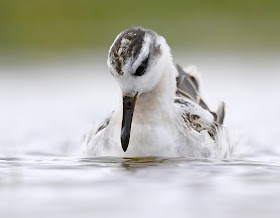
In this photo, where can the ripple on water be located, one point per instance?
(48, 185)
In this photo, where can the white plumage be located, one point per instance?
(167, 120)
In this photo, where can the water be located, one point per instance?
(48, 186)
(45, 107)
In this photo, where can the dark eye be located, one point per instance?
(142, 68)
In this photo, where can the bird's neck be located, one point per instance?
(160, 100)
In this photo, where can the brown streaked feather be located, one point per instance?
(185, 86)
(202, 103)
(192, 119)
(194, 80)
(188, 87)
(130, 47)
(214, 115)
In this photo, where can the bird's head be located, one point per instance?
(137, 60)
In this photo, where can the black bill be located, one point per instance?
(128, 108)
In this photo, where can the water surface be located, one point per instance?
(49, 186)
(45, 107)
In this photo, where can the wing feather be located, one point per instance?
(188, 94)
(104, 124)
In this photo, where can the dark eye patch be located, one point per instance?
(142, 68)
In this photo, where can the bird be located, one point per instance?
(161, 111)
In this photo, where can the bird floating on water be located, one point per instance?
(162, 112)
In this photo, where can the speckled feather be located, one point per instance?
(164, 123)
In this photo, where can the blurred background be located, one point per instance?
(57, 26)
(54, 80)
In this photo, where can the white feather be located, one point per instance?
(158, 128)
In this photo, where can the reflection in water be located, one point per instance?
(50, 186)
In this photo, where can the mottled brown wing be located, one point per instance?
(188, 87)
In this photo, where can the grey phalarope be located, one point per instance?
(161, 113)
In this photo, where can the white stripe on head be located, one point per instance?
(145, 50)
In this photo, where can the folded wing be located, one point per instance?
(193, 108)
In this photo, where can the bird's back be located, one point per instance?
(193, 108)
